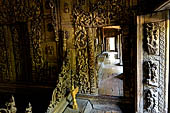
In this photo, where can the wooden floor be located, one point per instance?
(110, 73)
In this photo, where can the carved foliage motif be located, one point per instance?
(152, 38)
(101, 13)
(82, 60)
(20, 11)
(154, 68)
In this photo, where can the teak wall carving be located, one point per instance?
(22, 25)
(85, 22)
(154, 67)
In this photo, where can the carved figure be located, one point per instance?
(73, 93)
(152, 35)
(10, 106)
(151, 74)
(29, 108)
(150, 101)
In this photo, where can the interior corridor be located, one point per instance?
(110, 75)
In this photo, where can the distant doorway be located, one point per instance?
(111, 69)
(112, 44)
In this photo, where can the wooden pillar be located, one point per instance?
(121, 59)
(91, 60)
(118, 46)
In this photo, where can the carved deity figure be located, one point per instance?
(149, 101)
(152, 37)
(151, 73)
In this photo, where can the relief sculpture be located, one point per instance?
(153, 66)
(151, 73)
(150, 105)
(152, 38)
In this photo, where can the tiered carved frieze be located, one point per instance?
(154, 67)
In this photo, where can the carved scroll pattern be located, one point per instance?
(82, 76)
(154, 68)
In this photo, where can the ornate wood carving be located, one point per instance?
(64, 83)
(154, 67)
(151, 101)
(151, 73)
(100, 14)
(29, 108)
(9, 106)
(152, 40)
(30, 14)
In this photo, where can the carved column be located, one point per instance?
(92, 70)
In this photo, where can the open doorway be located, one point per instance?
(111, 69)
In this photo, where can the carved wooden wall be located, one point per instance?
(59, 41)
(154, 62)
(80, 70)
(28, 41)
